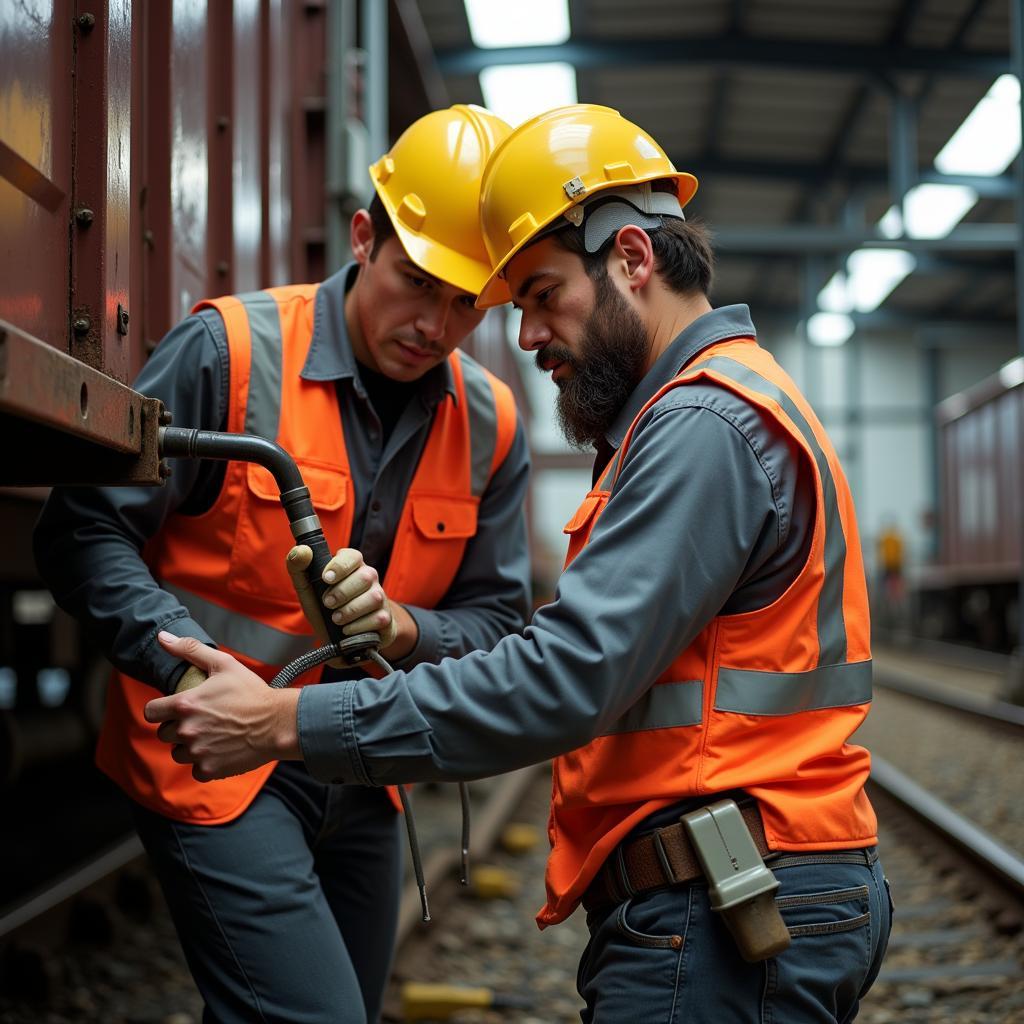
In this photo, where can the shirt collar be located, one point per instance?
(330, 355)
(719, 325)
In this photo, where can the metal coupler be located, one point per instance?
(740, 885)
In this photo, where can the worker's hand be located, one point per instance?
(356, 600)
(231, 724)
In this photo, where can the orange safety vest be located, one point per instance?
(226, 566)
(763, 701)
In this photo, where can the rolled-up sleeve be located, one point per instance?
(692, 514)
(88, 541)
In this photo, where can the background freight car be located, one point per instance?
(971, 593)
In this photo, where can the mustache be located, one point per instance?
(419, 342)
(554, 353)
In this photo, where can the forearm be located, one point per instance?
(97, 575)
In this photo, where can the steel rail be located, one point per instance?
(998, 860)
(988, 708)
(71, 884)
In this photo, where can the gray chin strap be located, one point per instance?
(606, 212)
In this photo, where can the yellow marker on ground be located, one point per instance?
(492, 883)
(519, 838)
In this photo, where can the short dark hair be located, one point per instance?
(682, 251)
(383, 229)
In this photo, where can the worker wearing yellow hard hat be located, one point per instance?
(285, 889)
(706, 659)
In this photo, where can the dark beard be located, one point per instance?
(613, 354)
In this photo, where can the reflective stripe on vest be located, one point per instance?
(749, 692)
(240, 632)
(831, 626)
(483, 424)
(665, 706)
(263, 408)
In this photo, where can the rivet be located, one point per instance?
(440, 527)
(676, 942)
(82, 325)
(163, 469)
(165, 418)
(223, 267)
(84, 216)
(86, 22)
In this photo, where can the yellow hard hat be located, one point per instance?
(556, 161)
(429, 184)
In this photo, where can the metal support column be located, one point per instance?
(373, 17)
(902, 148)
(341, 40)
(810, 286)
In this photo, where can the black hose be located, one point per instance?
(188, 443)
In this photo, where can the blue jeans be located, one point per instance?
(665, 957)
(287, 913)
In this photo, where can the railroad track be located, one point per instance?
(956, 950)
(989, 709)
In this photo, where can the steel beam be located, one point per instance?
(710, 166)
(64, 422)
(805, 238)
(733, 50)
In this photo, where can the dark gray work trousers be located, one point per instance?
(288, 912)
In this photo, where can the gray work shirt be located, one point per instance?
(712, 513)
(88, 541)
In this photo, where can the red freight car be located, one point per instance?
(971, 594)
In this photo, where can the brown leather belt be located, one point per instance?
(658, 859)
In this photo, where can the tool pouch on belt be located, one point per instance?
(740, 886)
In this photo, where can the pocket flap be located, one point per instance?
(326, 486)
(586, 511)
(443, 518)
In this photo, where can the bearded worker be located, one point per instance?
(706, 657)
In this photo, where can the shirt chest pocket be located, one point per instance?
(581, 525)
(429, 548)
(263, 536)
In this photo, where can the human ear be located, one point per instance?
(635, 254)
(361, 236)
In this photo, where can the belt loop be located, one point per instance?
(659, 849)
(623, 876)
